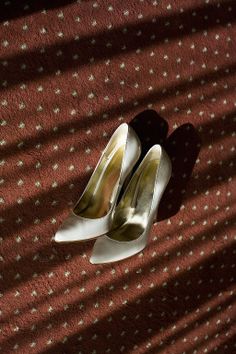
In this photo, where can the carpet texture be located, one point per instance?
(70, 73)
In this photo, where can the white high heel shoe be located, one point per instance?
(92, 214)
(136, 211)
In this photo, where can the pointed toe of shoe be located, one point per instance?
(94, 260)
(71, 230)
(76, 228)
(59, 237)
(102, 251)
(106, 250)
(67, 231)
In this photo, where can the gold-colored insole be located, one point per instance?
(131, 215)
(102, 187)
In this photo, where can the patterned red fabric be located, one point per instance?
(70, 73)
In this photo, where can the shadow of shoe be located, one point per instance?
(151, 129)
(183, 147)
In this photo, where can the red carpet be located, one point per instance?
(70, 73)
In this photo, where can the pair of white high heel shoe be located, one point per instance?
(121, 228)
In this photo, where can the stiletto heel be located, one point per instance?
(91, 217)
(136, 211)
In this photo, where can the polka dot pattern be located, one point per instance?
(70, 73)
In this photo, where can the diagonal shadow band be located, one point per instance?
(95, 143)
(216, 175)
(118, 39)
(215, 335)
(146, 269)
(190, 107)
(219, 332)
(157, 306)
(227, 344)
(45, 209)
(215, 126)
(196, 322)
(15, 9)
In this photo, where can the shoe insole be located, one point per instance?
(102, 187)
(131, 216)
